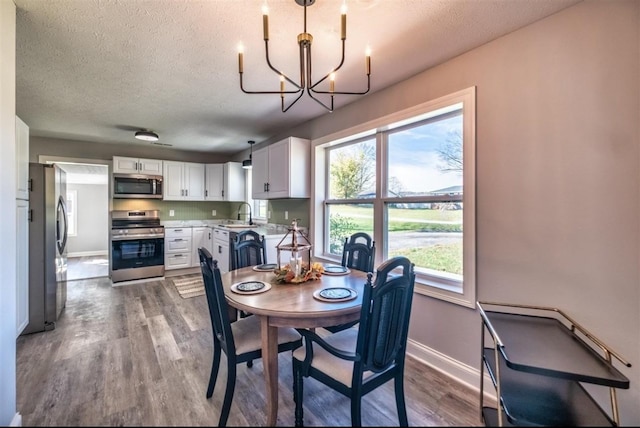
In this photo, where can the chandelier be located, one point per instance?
(305, 83)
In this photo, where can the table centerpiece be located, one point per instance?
(298, 251)
(306, 273)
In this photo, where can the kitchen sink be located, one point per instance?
(239, 226)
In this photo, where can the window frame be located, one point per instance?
(255, 203)
(438, 286)
(72, 212)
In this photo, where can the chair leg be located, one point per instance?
(228, 394)
(356, 400)
(297, 391)
(400, 403)
(214, 369)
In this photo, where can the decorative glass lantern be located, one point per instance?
(295, 253)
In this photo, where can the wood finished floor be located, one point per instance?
(141, 355)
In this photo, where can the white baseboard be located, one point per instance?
(456, 370)
(17, 420)
(88, 253)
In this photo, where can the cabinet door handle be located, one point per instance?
(137, 169)
(206, 193)
(31, 184)
(141, 166)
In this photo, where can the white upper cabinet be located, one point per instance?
(282, 170)
(124, 165)
(234, 181)
(214, 182)
(22, 159)
(183, 181)
(225, 182)
(260, 173)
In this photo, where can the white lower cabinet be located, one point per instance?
(221, 249)
(201, 237)
(177, 248)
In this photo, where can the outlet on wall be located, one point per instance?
(286, 215)
(213, 213)
(172, 213)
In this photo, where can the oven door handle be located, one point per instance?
(135, 237)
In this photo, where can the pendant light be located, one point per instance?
(246, 164)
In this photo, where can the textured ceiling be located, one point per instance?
(97, 70)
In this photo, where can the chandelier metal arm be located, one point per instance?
(299, 88)
(312, 86)
(292, 103)
(309, 90)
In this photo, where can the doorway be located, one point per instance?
(88, 218)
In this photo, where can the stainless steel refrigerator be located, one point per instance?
(47, 246)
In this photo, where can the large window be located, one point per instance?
(409, 183)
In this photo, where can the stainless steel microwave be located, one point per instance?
(137, 186)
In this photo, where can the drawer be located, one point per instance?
(177, 261)
(172, 245)
(177, 232)
(221, 234)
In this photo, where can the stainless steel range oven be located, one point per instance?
(137, 245)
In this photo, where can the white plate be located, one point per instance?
(250, 287)
(267, 267)
(337, 291)
(337, 270)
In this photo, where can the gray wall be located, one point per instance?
(558, 161)
(92, 220)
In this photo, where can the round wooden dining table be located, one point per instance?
(290, 305)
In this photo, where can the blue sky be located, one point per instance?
(414, 157)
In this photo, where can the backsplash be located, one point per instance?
(200, 210)
(183, 210)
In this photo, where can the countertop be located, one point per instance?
(266, 229)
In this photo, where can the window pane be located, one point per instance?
(261, 208)
(345, 220)
(426, 159)
(352, 171)
(428, 234)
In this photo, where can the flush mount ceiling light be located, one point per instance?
(246, 164)
(306, 83)
(146, 136)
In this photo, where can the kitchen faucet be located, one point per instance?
(240, 207)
